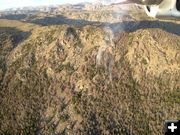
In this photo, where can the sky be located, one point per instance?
(4, 4)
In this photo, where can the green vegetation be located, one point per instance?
(59, 68)
(91, 71)
(173, 97)
(64, 118)
(144, 61)
(76, 98)
(68, 67)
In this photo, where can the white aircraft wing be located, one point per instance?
(167, 8)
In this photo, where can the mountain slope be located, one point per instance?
(62, 79)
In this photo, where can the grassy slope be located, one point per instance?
(17, 24)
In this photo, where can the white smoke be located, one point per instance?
(105, 55)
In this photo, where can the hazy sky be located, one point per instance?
(4, 4)
(21, 3)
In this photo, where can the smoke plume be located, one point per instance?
(105, 55)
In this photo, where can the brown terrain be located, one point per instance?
(81, 74)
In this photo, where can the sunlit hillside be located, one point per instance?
(88, 72)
